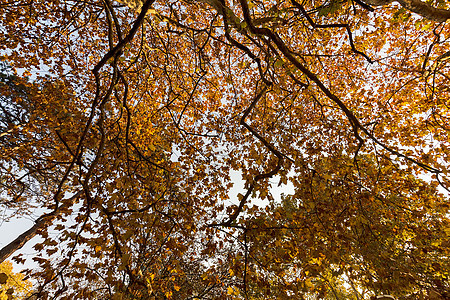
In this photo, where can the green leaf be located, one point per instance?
(279, 63)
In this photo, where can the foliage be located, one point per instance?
(121, 123)
(12, 285)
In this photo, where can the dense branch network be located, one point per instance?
(176, 95)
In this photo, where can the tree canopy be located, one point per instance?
(122, 122)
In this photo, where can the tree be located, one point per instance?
(12, 285)
(128, 119)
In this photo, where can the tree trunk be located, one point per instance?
(43, 222)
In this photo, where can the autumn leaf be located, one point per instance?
(146, 140)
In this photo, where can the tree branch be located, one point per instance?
(421, 8)
(41, 223)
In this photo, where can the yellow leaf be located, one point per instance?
(230, 291)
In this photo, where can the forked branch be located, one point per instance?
(269, 146)
(346, 26)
